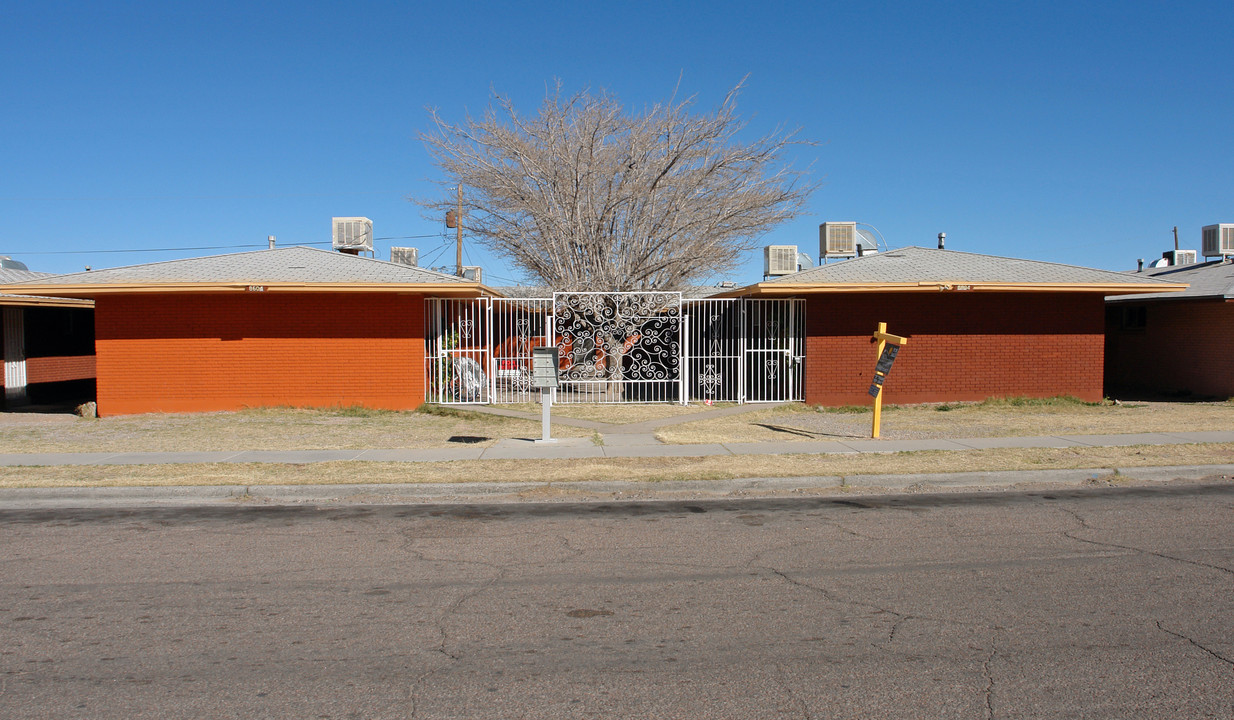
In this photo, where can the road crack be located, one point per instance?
(442, 647)
(782, 678)
(565, 543)
(1085, 526)
(891, 635)
(849, 531)
(1208, 650)
(989, 680)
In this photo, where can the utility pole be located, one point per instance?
(454, 219)
(458, 220)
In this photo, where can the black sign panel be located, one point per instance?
(874, 390)
(888, 357)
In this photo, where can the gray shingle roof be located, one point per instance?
(1207, 280)
(917, 264)
(12, 275)
(523, 291)
(281, 265)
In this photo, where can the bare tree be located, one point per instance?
(584, 196)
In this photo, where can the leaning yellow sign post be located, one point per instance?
(886, 356)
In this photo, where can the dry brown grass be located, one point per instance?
(349, 428)
(261, 429)
(989, 419)
(631, 469)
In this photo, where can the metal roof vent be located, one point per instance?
(352, 234)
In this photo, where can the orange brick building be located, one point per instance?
(287, 327)
(305, 327)
(979, 326)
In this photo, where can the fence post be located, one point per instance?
(488, 346)
(683, 335)
(741, 351)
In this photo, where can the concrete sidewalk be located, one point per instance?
(617, 445)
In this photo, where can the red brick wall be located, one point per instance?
(1184, 348)
(963, 346)
(192, 353)
(59, 369)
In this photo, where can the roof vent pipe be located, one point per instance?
(942, 240)
(271, 239)
(1139, 265)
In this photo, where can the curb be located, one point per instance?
(584, 491)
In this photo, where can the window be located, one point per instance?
(1134, 318)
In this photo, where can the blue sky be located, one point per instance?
(1071, 132)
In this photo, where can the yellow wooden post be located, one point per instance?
(878, 399)
(883, 337)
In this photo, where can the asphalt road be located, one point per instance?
(1085, 603)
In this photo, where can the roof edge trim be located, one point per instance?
(231, 287)
(781, 288)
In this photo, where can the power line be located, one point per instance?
(197, 247)
(142, 250)
(266, 196)
(440, 249)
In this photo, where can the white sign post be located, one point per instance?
(546, 375)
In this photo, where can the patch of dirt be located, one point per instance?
(617, 414)
(910, 422)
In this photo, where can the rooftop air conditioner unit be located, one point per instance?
(405, 256)
(1218, 240)
(837, 239)
(779, 260)
(353, 234)
(1179, 257)
(472, 273)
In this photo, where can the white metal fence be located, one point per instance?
(616, 348)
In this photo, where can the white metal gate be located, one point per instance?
(456, 353)
(616, 348)
(518, 325)
(743, 350)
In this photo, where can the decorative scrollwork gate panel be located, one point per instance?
(619, 347)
